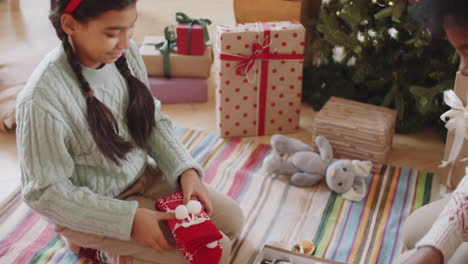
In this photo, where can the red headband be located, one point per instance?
(72, 5)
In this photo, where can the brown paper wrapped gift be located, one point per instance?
(186, 66)
(455, 171)
(259, 78)
(269, 252)
(357, 130)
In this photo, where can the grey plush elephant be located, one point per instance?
(306, 167)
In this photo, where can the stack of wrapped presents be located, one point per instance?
(179, 62)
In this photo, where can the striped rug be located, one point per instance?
(276, 212)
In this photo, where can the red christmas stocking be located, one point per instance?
(196, 236)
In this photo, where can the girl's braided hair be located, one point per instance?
(102, 124)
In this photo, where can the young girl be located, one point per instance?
(438, 232)
(87, 123)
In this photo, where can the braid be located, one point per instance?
(102, 124)
(101, 121)
(140, 110)
(72, 60)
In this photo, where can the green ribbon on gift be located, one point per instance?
(183, 19)
(165, 48)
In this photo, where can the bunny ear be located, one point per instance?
(362, 168)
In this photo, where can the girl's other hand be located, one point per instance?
(146, 229)
(192, 185)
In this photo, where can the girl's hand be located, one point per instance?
(192, 185)
(426, 255)
(146, 230)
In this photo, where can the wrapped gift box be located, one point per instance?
(193, 46)
(259, 78)
(192, 34)
(451, 176)
(357, 130)
(179, 90)
(186, 66)
(270, 254)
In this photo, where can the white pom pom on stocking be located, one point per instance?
(181, 212)
(194, 207)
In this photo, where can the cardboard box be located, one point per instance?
(357, 130)
(259, 78)
(179, 90)
(185, 66)
(458, 170)
(274, 253)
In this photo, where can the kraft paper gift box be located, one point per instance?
(269, 253)
(192, 34)
(186, 66)
(179, 90)
(259, 78)
(456, 146)
(357, 130)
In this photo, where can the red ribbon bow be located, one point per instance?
(259, 53)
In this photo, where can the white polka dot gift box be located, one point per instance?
(259, 78)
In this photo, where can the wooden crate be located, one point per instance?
(357, 130)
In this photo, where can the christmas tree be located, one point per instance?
(374, 51)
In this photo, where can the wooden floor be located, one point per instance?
(26, 36)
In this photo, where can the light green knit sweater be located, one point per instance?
(64, 177)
